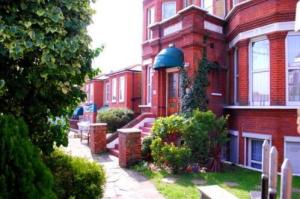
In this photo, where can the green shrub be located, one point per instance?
(146, 150)
(169, 155)
(115, 118)
(22, 171)
(75, 177)
(203, 132)
(163, 127)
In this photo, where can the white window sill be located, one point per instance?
(263, 107)
(145, 106)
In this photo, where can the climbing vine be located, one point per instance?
(194, 92)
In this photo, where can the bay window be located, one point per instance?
(168, 9)
(259, 73)
(293, 68)
(114, 90)
(121, 89)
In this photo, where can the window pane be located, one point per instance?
(261, 88)
(168, 9)
(256, 150)
(260, 55)
(256, 165)
(294, 68)
(294, 85)
(172, 84)
(294, 51)
(208, 5)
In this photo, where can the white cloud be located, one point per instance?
(118, 26)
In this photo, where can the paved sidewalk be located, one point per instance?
(120, 183)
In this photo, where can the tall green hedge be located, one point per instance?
(75, 177)
(22, 171)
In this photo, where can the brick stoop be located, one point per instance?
(146, 131)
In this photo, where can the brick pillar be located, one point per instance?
(97, 141)
(129, 146)
(277, 68)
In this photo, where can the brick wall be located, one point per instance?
(278, 123)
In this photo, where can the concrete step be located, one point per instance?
(114, 152)
(145, 129)
(148, 124)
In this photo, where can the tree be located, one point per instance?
(45, 58)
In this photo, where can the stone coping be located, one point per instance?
(98, 124)
(129, 130)
(215, 192)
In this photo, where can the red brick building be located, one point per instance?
(259, 87)
(118, 89)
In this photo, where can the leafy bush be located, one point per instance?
(23, 173)
(204, 132)
(115, 118)
(196, 139)
(163, 127)
(146, 150)
(75, 177)
(175, 158)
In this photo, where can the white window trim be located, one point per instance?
(107, 88)
(290, 139)
(122, 88)
(149, 31)
(114, 90)
(149, 84)
(247, 139)
(250, 76)
(288, 103)
(236, 65)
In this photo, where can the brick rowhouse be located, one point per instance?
(259, 53)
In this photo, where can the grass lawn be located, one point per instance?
(184, 188)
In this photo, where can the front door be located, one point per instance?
(173, 93)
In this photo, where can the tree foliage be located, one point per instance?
(45, 57)
(23, 173)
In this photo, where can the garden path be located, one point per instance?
(120, 183)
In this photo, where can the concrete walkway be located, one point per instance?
(120, 183)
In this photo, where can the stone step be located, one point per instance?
(114, 152)
(145, 129)
(148, 124)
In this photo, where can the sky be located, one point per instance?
(117, 25)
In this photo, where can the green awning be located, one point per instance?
(168, 58)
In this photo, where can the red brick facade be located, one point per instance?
(230, 41)
(99, 90)
(97, 140)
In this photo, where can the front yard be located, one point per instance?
(234, 179)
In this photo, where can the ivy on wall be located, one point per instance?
(194, 90)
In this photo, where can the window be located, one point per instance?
(293, 69)
(187, 3)
(114, 90)
(121, 89)
(150, 21)
(168, 9)
(234, 2)
(236, 77)
(255, 153)
(91, 92)
(107, 92)
(149, 84)
(260, 73)
(208, 5)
